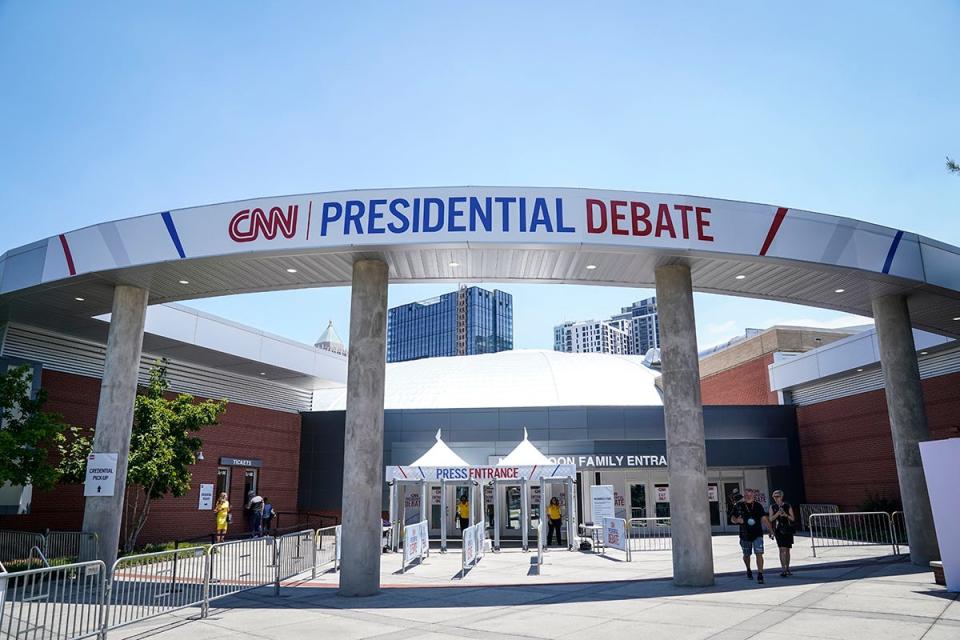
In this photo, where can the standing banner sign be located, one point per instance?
(943, 476)
(473, 539)
(601, 500)
(336, 543)
(415, 543)
(615, 535)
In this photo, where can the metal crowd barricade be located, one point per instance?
(152, 584)
(15, 546)
(296, 554)
(79, 546)
(807, 510)
(650, 534)
(240, 565)
(53, 603)
(899, 529)
(328, 547)
(857, 529)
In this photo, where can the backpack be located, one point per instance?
(267, 511)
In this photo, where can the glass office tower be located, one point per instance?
(464, 322)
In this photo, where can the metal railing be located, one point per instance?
(80, 546)
(296, 554)
(649, 534)
(15, 546)
(328, 547)
(807, 510)
(857, 529)
(899, 528)
(37, 554)
(152, 584)
(53, 603)
(79, 600)
(61, 547)
(241, 565)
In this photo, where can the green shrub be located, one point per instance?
(876, 502)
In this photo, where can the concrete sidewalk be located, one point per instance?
(870, 599)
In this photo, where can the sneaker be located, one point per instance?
(749, 574)
(759, 578)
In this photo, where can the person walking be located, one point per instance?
(782, 519)
(752, 518)
(255, 514)
(222, 513)
(554, 519)
(463, 513)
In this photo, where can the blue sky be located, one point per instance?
(113, 109)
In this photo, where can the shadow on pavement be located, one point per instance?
(311, 596)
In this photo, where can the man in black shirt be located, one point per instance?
(752, 518)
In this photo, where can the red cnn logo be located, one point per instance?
(247, 225)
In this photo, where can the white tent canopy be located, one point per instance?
(524, 455)
(439, 455)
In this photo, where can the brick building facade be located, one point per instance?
(846, 447)
(244, 432)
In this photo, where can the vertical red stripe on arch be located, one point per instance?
(67, 255)
(772, 233)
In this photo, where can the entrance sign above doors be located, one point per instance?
(610, 461)
(481, 473)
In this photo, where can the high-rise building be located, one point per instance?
(636, 326)
(590, 336)
(468, 321)
(644, 325)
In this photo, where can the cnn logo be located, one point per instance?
(248, 225)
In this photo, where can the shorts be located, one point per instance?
(755, 546)
(784, 540)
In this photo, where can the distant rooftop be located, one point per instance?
(519, 378)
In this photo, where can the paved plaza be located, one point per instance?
(845, 593)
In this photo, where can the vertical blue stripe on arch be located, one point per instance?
(892, 252)
(172, 230)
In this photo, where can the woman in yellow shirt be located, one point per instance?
(463, 513)
(553, 520)
(222, 511)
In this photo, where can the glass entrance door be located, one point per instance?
(512, 512)
(638, 500)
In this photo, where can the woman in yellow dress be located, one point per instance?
(222, 511)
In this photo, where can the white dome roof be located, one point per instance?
(519, 378)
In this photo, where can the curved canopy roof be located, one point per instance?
(439, 455)
(524, 454)
(471, 234)
(518, 378)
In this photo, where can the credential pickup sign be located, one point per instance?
(415, 542)
(101, 474)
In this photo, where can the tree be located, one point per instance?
(952, 165)
(163, 445)
(28, 434)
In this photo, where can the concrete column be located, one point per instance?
(683, 418)
(118, 389)
(363, 438)
(908, 422)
